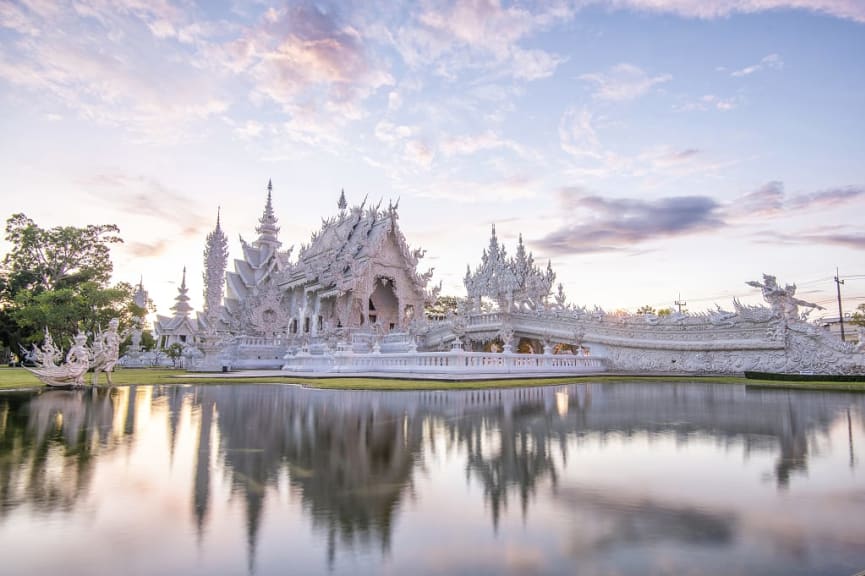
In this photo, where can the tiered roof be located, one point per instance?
(180, 322)
(262, 259)
(341, 251)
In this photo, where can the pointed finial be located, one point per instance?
(183, 282)
(342, 204)
(218, 214)
(267, 228)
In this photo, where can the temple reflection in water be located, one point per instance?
(353, 460)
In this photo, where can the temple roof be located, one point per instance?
(343, 247)
(261, 258)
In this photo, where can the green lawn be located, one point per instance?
(19, 378)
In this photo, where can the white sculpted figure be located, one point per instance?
(71, 373)
(106, 349)
(48, 355)
(782, 300)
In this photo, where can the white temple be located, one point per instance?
(353, 302)
(180, 328)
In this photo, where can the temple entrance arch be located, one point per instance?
(384, 303)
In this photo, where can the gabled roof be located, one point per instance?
(176, 325)
(342, 249)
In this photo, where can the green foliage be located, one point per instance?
(646, 310)
(442, 306)
(58, 257)
(858, 317)
(175, 351)
(58, 278)
(148, 342)
(665, 311)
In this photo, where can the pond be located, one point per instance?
(589, 478)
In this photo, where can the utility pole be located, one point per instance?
(679, 303)
(838, 283)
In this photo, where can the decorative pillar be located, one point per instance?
(316, 311)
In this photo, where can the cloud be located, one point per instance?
(480, 34)
(148, 250)
(579, 138)
(148, 197)
(712, 9)
(600, 224)
(771, 199)
(487, 140)
(770, 62)
(306, 59)
(853, 240)
(577, 134)
(389, 132)
(709, 102)
(419, 152)
(623, 82)
(826, 198)
(605, 224)
(92, 59)
(249, 130)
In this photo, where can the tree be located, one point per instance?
(174, 352)
(646, 310)
(442, 306)
(61, 256)
(665, 312)
(58, 278)
(858, 317)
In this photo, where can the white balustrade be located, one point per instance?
(458, 362)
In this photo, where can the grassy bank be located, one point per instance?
(19, 378)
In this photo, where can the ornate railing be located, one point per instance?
(260, 341)
(453, 362)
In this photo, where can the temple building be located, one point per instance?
(254, 303)
(180, 328)
(353, 301)
(356, 271)
(356, 274)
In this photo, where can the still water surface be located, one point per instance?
(589, 479)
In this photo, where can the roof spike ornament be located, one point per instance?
(181, 306)
(342, 204)
(267, 228)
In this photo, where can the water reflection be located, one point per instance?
(585, 456)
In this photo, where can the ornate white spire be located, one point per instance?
(181, 306)
(511, 282)
(267, 228)
(140, 297)
(215, 262)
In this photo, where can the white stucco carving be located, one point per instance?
(69, 373)
(354, 291)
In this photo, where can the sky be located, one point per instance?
(651, 149)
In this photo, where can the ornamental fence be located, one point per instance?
(453, 362)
